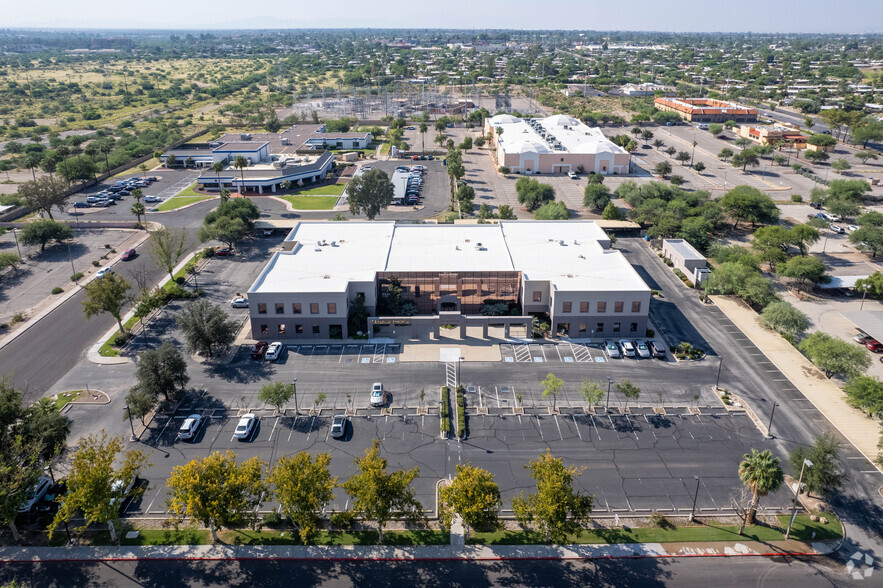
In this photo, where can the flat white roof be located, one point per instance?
(330, 255)
(572, 136)
(684, 249)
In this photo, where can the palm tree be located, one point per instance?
(48, 165)
(106, 146)
(32, 162)
(218, 167)
(137, 194)
(143, 169)
(91, 150)
(240, 163)
(138, 210)
(423, 129)
(63, 151)
(761, 474)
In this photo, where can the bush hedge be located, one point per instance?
(445, 411)
(461, 413)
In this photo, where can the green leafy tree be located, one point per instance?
(162, 371)
(216, 491)
(109, 294)
(44, 194)
(715, 129)
(43, 231)
(596, 197)
(866, 394)
(166, 247)
(826, 474)
(868, 238)
(807, 271)
(9, 260)
(745, 158)
(139, 402)
(782, 317)
(802, 236)
(663, 168)
(241, 208)
(696, 231)
(139, 210)
(225, 229)
(206, 328)
(276, 394)
(555, 508)
(761, 473)
(79, 168)
(841, 165)
(303, 486)
(552, 211)
(591, 392)
(370, 193)
(505, 212)
(725, 154)
(474, 495)
(552, 386)
(770, 243)
(865, 156)
(628, 390)
(835, 356)
(747, 204)
(842, 207)
(532, 194)
(699, 167)
(20, 468)
(95, 487)
(612, 212)
(872, 285)
(378, 494)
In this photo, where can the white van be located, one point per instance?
(702, 126)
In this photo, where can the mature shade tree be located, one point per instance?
(206, 327)
(743, 280)
(612, 212)
(555, 508)
(303, 486)
(696, 231)
(95, 486)
(770, 244)
(552, 211)
(835, 356)
(868, 238)
(532, 194)
(44, 194)
(744, 203)
(167, 247)
(370, 193)
(79, 168)
(139, 403)
(683, 156)
(596, 197)
(276, 394)
(699, 167)
(225, 229)
(745, 158)
(45, 427)
(236, 208)
(826, 474)
(109, 294)
(806, 271)
(663, 168)
(725, 154)
(474, 495)
(842, 207)
(715, 129)
(865, 156)
(505, 212)
(802, 236)
(782, 317)
(761, 473)
(162, 371)
(20, 468)
(866, 394)
(377, 494)
(43, 231)
(217, 491)
(9, 260)
(872, 285)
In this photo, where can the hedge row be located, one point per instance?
(461, 413)
(445, 411)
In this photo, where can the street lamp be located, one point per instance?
(14, 236)
(71, 258)
(806, 464)
(609, 382)
(131, 426)
(294, 385)
(769, 429)
(695, 496)
(720, 365)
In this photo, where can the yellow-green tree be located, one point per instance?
(216, 490)
(552, 386)
(95, 487)
(377, 494)
(474, 495)
(555, 508)
(109, 294)
(303, 486)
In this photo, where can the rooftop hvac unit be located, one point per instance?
(245, 136)
(285, 141)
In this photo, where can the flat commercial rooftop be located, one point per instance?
(571, 255)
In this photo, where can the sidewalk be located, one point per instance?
(823, 393)
(429, 552)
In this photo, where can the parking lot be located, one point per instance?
(435, 194)
(168, 184)
(656, 456)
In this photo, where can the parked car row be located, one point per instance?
(414, 187)
(869, 342)
(634, 348)
(121, 188)
(245, 429)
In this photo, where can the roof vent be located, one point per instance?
(561, 242)
(569, 275)
(575, 242)
(326, 277)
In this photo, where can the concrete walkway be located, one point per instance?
(824, 394)
(428, 552)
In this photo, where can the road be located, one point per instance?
(735, 572)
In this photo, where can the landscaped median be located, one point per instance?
(186, 196)
(319, 198)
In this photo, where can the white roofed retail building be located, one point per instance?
(554, 145)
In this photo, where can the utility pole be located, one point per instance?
(806, 463)
(695, 496)
(769, 428)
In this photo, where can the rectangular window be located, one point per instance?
(616, 327)
(599, 328)
(314, 308)
(584, 307)
(602, 307)
(315, 329)
(633, 328)
(582, 328)
(617, 306)
(636, 306)
(298, 329)
(265, 329)
(295, 308)
(280, 308)
(281, 329)
(566, 307)
(332, 308)
(262, 308)
(537, 296)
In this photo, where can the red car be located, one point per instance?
(128, 255)
(259, 349)
(224, 252)
(874, 346)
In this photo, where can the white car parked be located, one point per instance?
(274, 351)
(239, 303)
(627, 348)
(642, 349)
(246, 426)
(377, 395)
(612, 349)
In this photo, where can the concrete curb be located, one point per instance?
(186, 206)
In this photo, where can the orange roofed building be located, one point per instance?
(707, 110)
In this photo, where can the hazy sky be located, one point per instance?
(768, 16)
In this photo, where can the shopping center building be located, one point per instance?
(419, 280)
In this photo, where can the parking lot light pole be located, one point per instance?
(14, 236)
(806, 464)
(769, 429)
(695, 496)
(609, 382)
(294, 385)
(131, 426)
(720, 365)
